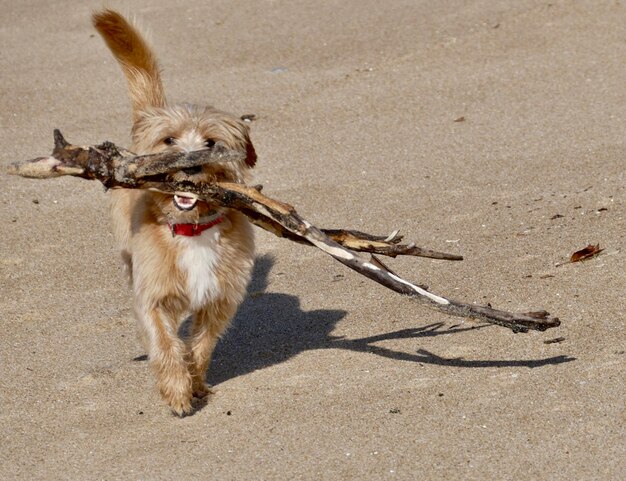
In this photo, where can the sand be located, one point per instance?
(492, 129)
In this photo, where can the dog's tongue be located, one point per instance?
(185, 201)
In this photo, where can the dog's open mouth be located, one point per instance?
(185, 201)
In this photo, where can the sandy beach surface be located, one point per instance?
(488, 128)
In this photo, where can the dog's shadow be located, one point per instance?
(270, 328)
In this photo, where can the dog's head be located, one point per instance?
(186, 128)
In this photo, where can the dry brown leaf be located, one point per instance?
(586, 253)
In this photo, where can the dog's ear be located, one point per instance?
(250, 154)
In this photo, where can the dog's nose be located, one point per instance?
(193, 170)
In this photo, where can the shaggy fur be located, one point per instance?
(174, 276)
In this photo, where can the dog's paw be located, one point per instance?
(181, 407)
(202, 390)
(177, 394)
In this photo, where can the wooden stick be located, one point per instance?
(116, 167)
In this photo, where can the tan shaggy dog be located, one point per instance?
(184, 256)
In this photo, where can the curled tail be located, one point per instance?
(135, 57)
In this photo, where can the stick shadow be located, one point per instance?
(270, 328)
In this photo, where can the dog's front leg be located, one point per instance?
(167, 354)
(208, 325)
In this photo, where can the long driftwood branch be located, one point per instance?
(116, 167)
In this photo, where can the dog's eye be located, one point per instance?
(209, 142)
(169, 141)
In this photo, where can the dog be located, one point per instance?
(184, 256)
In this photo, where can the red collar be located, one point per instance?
(191, 230)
